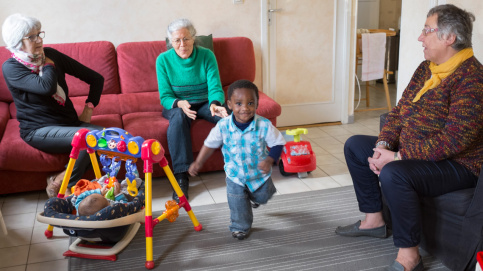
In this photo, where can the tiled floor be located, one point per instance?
(26, 248)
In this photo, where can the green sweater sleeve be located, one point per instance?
(215, 91)
(166, 94)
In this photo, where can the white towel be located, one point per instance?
(373, 52)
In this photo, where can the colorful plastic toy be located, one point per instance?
(297, 156)
(115, 145)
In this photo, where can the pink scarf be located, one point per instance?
(36, 64)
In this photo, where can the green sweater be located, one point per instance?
(195, 79)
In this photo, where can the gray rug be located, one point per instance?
(291, 232)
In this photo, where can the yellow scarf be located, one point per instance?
(442, 71)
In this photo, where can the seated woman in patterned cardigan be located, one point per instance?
(431, 143)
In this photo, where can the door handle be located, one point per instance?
(275, 10)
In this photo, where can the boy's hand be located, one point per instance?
(194, 168)
(104, 190)
(265, 165)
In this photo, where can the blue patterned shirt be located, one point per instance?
(243, 150)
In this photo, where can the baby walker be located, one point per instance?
(297, 156)
(113, 146)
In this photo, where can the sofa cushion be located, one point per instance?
(19, 156)
(137, 65)
(205, 41)
(97, 55)
(108, 104)
(236, 59)
(148, 125)
(140, 102)
(5, 95)
(4, 117)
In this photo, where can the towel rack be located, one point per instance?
(389, 33)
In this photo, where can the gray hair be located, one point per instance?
(179, 24)
(16, 27)
(456, 21)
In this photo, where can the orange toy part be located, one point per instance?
(84, 185)
(111, 182)
(171, 210)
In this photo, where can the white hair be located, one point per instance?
(179, 24)
(16, 27)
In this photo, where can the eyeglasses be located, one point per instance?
(184, 40)
(427, 31)
(34, 38)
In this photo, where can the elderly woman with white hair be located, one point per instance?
(189, 88)
(36, 78)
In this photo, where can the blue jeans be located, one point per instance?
(58, 139)
(402, 183)
(179, 134)
(239, 197)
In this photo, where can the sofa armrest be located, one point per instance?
(4, 117)
(267, 107)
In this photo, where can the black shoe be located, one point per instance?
(255, 204)
(353, 230)
(184, 183)
(396, 266)
(238, 235)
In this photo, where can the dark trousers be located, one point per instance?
(179, 134)
(402, 183)
(58, 139)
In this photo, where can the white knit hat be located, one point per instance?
(15, 28)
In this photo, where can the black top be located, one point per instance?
(32, 93)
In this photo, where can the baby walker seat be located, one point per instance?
(119, 223)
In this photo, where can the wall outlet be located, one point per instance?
(237, 1)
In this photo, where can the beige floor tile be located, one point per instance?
(320, 183)
(15, 237)
(326, 159)
(15, 268)
(290, 185)
(13, 256)
(52, 265)
(50, 251)
(28, 201)
(334, 169)
(20, 221)
(38, 235)
(343, 179)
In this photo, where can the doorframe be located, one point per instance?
(344, 49)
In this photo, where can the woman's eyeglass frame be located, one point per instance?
(426, 31)
(35, 37)
(178, 41)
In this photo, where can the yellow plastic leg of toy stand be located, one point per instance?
(180, 194)
(68, 172)
(65, 182)
(148, 223)
(95, 165)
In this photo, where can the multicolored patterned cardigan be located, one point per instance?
(446, 123)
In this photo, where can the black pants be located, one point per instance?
(58, 139)
(402, 183)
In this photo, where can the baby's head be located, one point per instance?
(242, 99)
(92, 204)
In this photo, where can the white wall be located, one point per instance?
(413, 17)
(118, 21)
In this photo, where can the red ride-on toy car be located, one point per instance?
(297, 156)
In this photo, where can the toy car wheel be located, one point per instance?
(282, 170)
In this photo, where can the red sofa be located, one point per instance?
(130, 100)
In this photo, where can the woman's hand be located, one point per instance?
(185, 106)
(265, 165)
(380, 158)
(86, 115)
(219, 111)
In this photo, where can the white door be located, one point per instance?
(302, 61)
